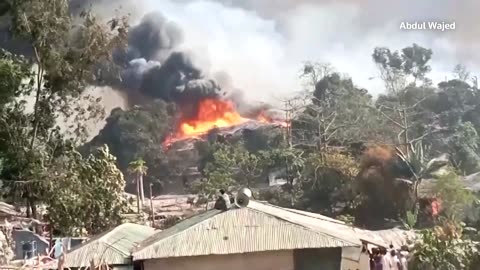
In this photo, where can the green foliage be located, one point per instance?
(219, 173)
(231, 166)
(326, 182)
(335, 111)
(138, 166)
(411, 219)
(85, 193)
(464, 148)
(443, 248)
(39, 91)
(13, 69)
(139, 132)
(455, 198)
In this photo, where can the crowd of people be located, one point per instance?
(388, 259)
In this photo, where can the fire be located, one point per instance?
(212, 113)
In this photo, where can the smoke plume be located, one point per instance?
(183, 50)
(261, 44)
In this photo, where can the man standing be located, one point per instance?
(396, 264)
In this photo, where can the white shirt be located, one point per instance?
(395, 262)
(387, 262)
(226, 198)
(404, 262)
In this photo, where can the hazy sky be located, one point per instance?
(263, 43)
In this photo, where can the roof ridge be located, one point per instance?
(306, 227)
(173, 227)
(302, 213)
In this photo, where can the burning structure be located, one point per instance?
(154, 67)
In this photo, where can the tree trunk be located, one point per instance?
(34, 209)
(29, 212)
(142, 190)
(138, 194)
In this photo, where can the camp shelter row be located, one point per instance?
(259, 236)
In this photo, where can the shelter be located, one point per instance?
(256, 237)
(112, 247)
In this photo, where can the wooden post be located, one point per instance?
(152, 211)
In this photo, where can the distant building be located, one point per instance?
(28, 244)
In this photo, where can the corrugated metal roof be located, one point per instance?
(396, 237)
(112, 247)
(8, 209)
(257, 227)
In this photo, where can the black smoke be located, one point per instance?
(153, 66)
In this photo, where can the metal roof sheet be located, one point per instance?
(8, 209)
(257, 227)
(112, 247)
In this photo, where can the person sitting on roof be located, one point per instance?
(223, 201)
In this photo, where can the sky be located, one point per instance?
(262, 44)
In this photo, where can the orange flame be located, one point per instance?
(212, 113)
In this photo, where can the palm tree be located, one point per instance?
(139, 169)
(419, 165)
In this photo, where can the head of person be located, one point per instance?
(393, 253)
(391, 246)
(222, 191)
(383, 251)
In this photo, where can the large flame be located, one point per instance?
(212, 113)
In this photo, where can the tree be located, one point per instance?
(464, 146)
(327, 181)
(400, 105)
(444, 248)
(291, 161)
(454, 197)
(219, 172)
(420, 166)
(66, 52)
(85, 193)
(139, 169)
(461, 73)
(139, 132)
(13, 69)
(335, 112)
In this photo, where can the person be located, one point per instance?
(395, 261)
(372, 258)
(404, 259)
(223, 201)
(378, 259)
(364, 257)
(386, 259)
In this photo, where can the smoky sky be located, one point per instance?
(155, 67)
(261, 44)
